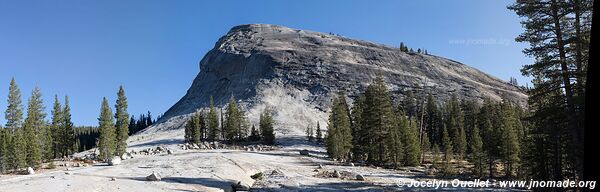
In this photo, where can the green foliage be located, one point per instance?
(236, 128)
(447, 146)
(34, 129)
(309, 133)
(14, 111)
(122, 122)
(477, 155)
(107, 141)
(558, 33)
(339, 132)
(319, 133)
(266, 124)
(68, 131)
(412, 146)
(213, 122)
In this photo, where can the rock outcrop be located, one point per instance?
(298, 71)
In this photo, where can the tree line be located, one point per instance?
(233, 128)
(558, 32)
(377, 131)
(29, 142)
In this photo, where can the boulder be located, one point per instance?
(114, 161)
(239, 186)
(360, 177)
(336, 174)
(304, 152)
(169, 151)
(30, 171)
(153, 177)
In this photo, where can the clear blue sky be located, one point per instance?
(86, 49)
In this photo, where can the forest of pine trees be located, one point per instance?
(378, 131)
(33, 140)
(235, 128)
(30, 141)
(558, 32)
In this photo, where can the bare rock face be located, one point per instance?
(297, 72)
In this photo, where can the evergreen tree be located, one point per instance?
(122, 122)
(339, 132)
(433, 120)
(455, 126)
(198, 127)
(477, 152)
(558, 32)
(319, 134)
(149, 119)
(409, 105)
(34, 129)
(14, 111)
(254, 134)
(132, 125)
(233, 122)
(358, 122)
(510, 147)
(3, 149)
(412, 146)
(57, 120)
(436, 156)
(68, 138)
(266, 126)
(107, 140)
(15, 150)
(189, 130)
(447, 146)
(309, 133)
(213, 122)
(379, 120)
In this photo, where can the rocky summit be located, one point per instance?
(297, 72)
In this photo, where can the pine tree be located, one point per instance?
(254, 134)
(34, 129)
(132, 125)
(339, 132)
(477, 152)
(436, 156)
(558, 32)
(233, 121)
(356, 116)
(379, 121)
(16, 154)
(68, 138)
(198, 126)
(309, 133)
(14, 111)
(3, 150)
(189, 130)
(57, 120)
(412, 146)
(266, 126)
(510, 147)
(107, 140)
(433, 120)
(455, 126)
(122, 122)
(447, 146)
(319, 134)
(213, 122)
